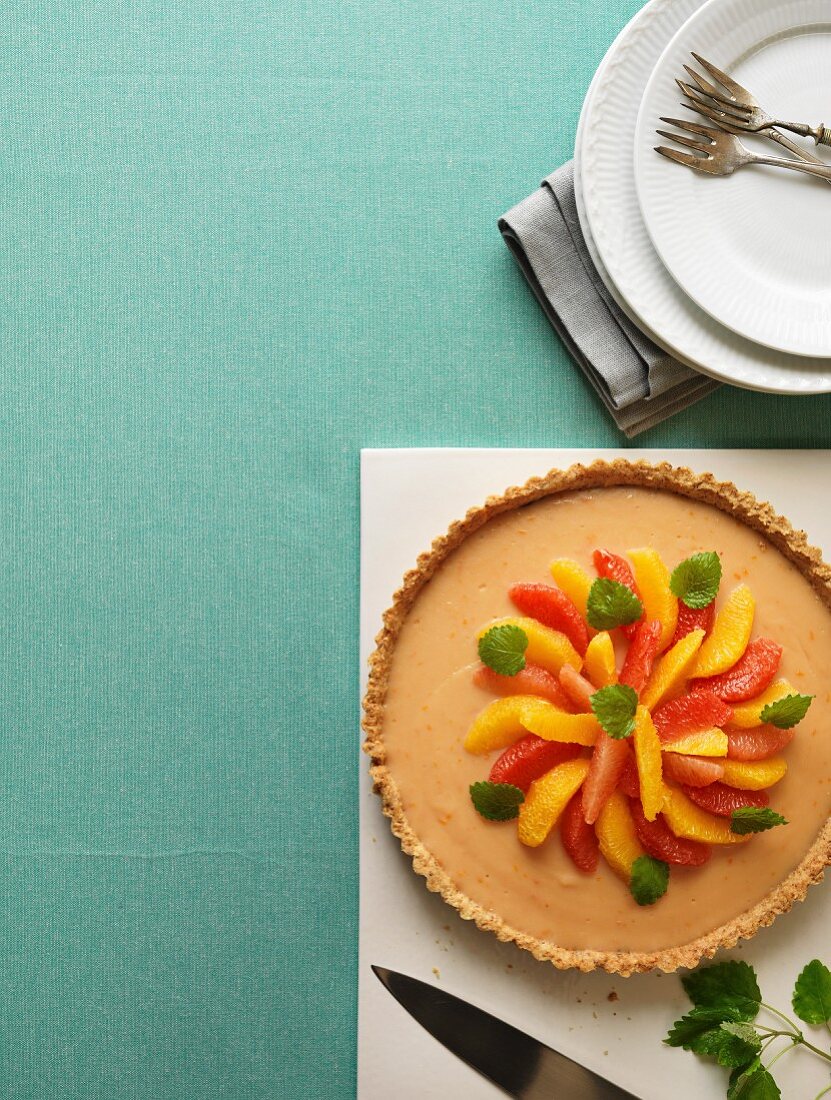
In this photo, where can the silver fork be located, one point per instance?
(719, 153)
(740, 109)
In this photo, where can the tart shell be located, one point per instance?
(726, 497)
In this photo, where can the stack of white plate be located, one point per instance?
(730, 275)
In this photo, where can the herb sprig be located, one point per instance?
(723, 1024)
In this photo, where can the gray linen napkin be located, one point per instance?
(638, 383)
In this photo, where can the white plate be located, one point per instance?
(746, 248)
(611, 220)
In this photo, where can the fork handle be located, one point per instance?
(792, 147)
(821, 134)
(821, 170)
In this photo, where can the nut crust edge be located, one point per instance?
(725, 496)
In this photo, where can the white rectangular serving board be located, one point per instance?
(613, 1025)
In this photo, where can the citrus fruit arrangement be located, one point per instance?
(635, 714)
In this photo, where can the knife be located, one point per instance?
(522, 1066)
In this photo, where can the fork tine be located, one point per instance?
(721, 120)
(713, 93)
(693, 127)
(724, 80)
(690, 143)
(688, 159)
(720, 106)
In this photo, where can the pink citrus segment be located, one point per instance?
(652, 577)
(758, 743)
(750, 675)
(692, 771)
(690, 714)
(694, 618)
(577, 688)
(755, 775)
(600, 666)
(615, 828)
(722, 801)
(528, 759)
(648, 760)
(546, 647)
(553, 608)
(686, 819)
(607, 762)
(532, 680)
(615, 568)
(503, 721)
(641, 654)
(748, 715)
(671, 671)
(579, 838)
(547, 799)
(629, 782)
(574, 581)
(661, 843)
(704, 743)
(728, 639)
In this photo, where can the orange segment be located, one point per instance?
(502, 722)
(672, 670)
(599, 662)
(616, 833)
(574, 581)
(546, 647)
(648, 760)
(748, 715)
(712, 742)
(690, 821)
(652, 578)
(754, 775)
(554, 725)
(728, 639)
(547, 799)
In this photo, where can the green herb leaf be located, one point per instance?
(812, 993)
(649, 880)
(689, 1031)
(725, 986)
(502, 648)
(732, 1043)
(496, 801)
(785, 713)
(614, 707)
(753, 1082)
(696, 580)
(754, 819)
(612, 604)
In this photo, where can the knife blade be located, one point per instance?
(519, 1064)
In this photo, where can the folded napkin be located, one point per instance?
(638, 383)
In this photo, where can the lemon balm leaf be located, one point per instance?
(695, 581)
(502, 648)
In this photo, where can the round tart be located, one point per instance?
(597, 715)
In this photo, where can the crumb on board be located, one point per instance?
(612, 996)
(436, 972)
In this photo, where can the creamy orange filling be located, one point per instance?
(432, 702)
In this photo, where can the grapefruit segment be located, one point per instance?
(750, 675)
(640, 657)
(722, 801)
(758, 743)
(528, 759)
(579, 838)
(577, 689)
(531, 680)
(661, 843)
(616, 568)
(690, 714)
(553, 608)
(607, 763)
(692, 771)
(693, 618)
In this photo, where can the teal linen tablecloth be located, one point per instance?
(240, 240)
